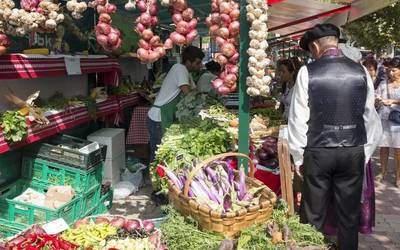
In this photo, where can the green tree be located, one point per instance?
(377, 30)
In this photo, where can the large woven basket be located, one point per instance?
(230, 223)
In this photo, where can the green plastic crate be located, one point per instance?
(90, 201)
(9, 229)
(10, 167)
(29, 214)
(52, 173)
(64, 149)
(105, 203)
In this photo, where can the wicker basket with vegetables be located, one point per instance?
(221, 199)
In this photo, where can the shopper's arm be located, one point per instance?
(185, 89)
(299, 115)
(372, 121)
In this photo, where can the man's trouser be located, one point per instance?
(337, 170)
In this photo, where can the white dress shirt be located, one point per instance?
(299, 114)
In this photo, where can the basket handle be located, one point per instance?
(211, 159)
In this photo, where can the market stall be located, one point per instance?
(223, 170)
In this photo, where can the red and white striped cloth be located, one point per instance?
(138, 133)
(17, 66)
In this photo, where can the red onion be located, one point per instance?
(103, 28)
(234, 27)
(228, 49)
(105, 18)
(143, 54)
(155, 40)
(148, 226)
(233, 87)
(101, 2)
(161, 51)
(223, 90)
(29, 5)
(102, 40)
(140, 28)
(226, 18)
(116, 31)
(154, 20)
(235, 58)
(101, 9)
(100, 220)
(117, 222)
(217, 83)
(230, 79)
(221, 59)
(191, 35)
(220, 41)
(180, 5)
(192, 24)
(145, 19)
(141, 5)
(143, 44)
(153, 10)
(225, 8)
(111, 8)
(168, 44)
(234, 14)
(153, 56)
(213, 30)
(4, 40)
(223, 32)
(132, 225)
(215, 18)
(176, 18)
(214, 7)
(177, 38)
(208, 21)
(182, 27)
(188, 14)
(233, 69)
(147, 34)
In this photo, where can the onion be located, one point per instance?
(140, 28)
(154, 20)
(111, 8)
(234, 27)
(220, 41)
(188, 14)
(223, 32)
(153, 10)
(168, 44)
(217, 83)
(132, 225)
(117, 45)
(225, 8)
(145, 19)
(208, 21)
(233, 87)
(147, 34)
(232, 69)
(182, 27)
(179, 5)
(215, 18)
(230, 79)
(192, 24)
(141, 5)
(213, 30)
(3, 49)
(177, 38)
(101, 9)
(221, 59)
(191, 36)
(143, 54)
(161, 51)
(234, 14)
(100, 220)
(143, 44)
(235, 58)
(155, 40)
(102, 40)
(105, 18)
(223, 90)
(117, 222)
(228, 49)
(116, 31)
(103, 28)
(148, 226)
(101, 2)
(261, 154)
(176, 18)
(225, 18)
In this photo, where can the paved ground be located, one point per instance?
(387, 231)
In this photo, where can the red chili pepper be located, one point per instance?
(113, 248)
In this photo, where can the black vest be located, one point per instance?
(337, 95)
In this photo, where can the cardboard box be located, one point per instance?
(114, 138)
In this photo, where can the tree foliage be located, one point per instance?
(377, 30)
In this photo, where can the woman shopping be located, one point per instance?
(388, 98)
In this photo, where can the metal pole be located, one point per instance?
(244, 115)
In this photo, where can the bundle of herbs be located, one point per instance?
(192, 104)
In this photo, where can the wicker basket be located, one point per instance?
(231, 223)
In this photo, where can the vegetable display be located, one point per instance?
(182, 143)
(223, 27)
(107, 36)
(258, 82)
(76, 8)
(215, 186)
(267, 153)
(151, 48)
(14, 127)
(191, 105)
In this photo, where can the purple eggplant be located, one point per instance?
(227, 202)
(242, 184)
(173, 178)
(211, 174)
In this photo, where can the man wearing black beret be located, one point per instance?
(333, 131)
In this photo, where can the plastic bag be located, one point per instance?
(136, 178)
(123, 189)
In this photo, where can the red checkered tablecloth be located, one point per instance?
(138, 133)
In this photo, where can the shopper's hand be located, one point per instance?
(297, 171)
(388, 102)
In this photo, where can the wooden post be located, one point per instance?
(285, 168)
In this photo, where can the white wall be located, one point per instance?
(133, 67)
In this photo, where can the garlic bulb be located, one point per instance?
(130, 5)
(76, 8)
(257, 82)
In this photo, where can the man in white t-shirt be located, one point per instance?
(177, 81)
